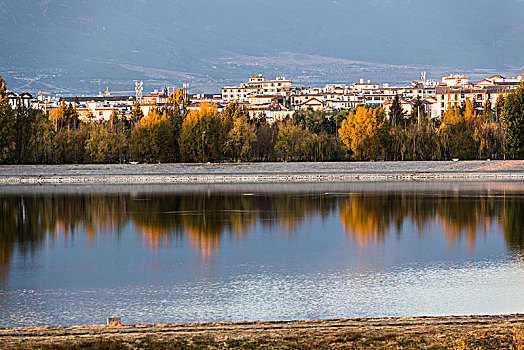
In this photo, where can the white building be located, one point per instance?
(257, 85)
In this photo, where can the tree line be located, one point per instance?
(169, 134)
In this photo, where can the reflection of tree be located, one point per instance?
(467, 214)
(23, 223)
(368, 217)
(514, 222)
(290, 211)
(25, 220)
(202, 217)
(205, 218)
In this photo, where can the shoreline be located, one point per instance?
(443, 332)
(261, 173)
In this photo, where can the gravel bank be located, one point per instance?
(261, 172)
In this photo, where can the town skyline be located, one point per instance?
(279, 97)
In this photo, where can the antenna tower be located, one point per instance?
(139, 90)
(186, 91)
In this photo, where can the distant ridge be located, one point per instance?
(76, 45)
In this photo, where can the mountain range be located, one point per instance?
(81, 46)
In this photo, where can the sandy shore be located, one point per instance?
(262, 172)
(470, 332)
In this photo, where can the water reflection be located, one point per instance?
(514, 222)
(207, 253)
(367, 217)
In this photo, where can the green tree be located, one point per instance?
(513, 123)
(487, 112)
(42, 139)
(421, 143)
(267, 135)
(69, 145)
(418, 113)
(293, 142)
(7, 123)
(136, 115)
(396, 112)
(499, 105)
(106, 141)
(33, 136)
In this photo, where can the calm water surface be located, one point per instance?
(154, 254)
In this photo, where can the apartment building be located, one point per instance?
(456, 96)
(362, 86)
(257, 85)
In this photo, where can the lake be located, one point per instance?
(193, 253)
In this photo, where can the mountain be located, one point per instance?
(81, 46)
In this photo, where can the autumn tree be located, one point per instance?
(177, 98)
(200, 135)
(241, 140)
(513, 122)
(155, 138)
(65, 117)
(362, 133)
(457, 131)
(229, 116)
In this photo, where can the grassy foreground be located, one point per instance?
(480, 332)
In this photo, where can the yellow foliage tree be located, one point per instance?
(177, 98)
(200, 135)
(361, 132)
(155, 138)
(457, 131)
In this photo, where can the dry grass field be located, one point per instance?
(482, 332)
